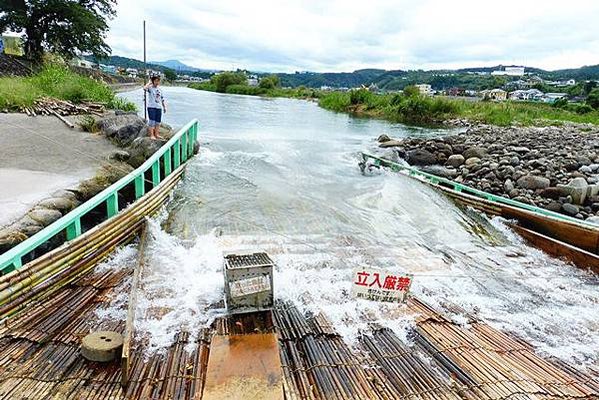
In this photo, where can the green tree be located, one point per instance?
(65, 27)
(593, 99)
(411, 91)
(269, 82)
(170, 75)
(224, 79)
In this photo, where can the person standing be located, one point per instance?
(156, 105)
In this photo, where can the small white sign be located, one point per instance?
(379, 285)
(244, 287)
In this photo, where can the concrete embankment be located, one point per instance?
(48, 169)
(554, 167)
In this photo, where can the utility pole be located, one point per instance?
(145, 75)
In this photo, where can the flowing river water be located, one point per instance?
(282, 176)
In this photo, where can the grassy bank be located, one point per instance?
(58, 82)
(297, 93)
(421, 110)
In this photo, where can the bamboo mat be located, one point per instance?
(441, 360)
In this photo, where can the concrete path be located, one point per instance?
(40, 155)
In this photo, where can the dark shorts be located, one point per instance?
(154, 116)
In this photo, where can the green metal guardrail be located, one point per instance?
(171, 155)
(458, 187)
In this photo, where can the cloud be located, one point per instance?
(346, 35)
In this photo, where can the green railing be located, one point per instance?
(458, 187)
(170, 156)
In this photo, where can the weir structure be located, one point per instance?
(50, 303)
(158, 167)
(557, 234)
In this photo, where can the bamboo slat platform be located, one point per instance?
(40, 356)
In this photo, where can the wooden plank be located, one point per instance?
(129, 324)
(581, 258)
(244, 367)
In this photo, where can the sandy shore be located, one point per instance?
(41, 155)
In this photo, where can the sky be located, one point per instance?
(345, 35)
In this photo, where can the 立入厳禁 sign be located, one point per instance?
(379, 285)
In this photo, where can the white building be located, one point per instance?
(510, 71)
(425, 89)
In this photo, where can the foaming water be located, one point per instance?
(281, 176)
(181, 287)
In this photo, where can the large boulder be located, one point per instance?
(123, 129)
(383, 138)
(61, 204)
(439, 170)
(44, 216)
(390, 143)
(577, 188)
(533, 182)
(421, 157)
(455, 160)
(474, 151)
(141, 149)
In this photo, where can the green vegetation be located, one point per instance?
(88, 123)
(231, 83)
(469, 79)
(58, 82)
(64, 27)
(269, 82)
(413, 108)
(225, 79)
(170, 75)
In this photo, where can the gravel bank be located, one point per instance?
(554, 167)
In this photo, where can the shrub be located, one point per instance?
(359, 96)
(225, 79)
(593, 99)
(118, 103)
(269, 82)
(88, 124)
(411, 91)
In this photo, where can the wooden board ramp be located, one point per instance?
(244, 367)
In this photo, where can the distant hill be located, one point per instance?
(466, 78)
(176, 65)
(126, 62)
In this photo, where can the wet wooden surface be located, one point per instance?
(244, 367)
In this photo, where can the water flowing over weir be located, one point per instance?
(281, 176)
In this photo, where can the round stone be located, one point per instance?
(102, 346)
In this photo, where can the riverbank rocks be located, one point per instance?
(455, 160)
(533, 182)
(123, 128)
(546, 166)
(141, 149)
(421, 157)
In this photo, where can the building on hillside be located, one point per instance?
(131, 72)
(252, 80)
(564, 83)
(425, 89)
(527, 95)
(456, 91)
(510, 71)
(83, 63)
(494, 94)
(109, 69)
(552, 97)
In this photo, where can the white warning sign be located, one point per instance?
(379, 285)
(244, 287)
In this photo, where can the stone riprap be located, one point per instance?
(554, 167)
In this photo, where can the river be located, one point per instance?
(281, 176)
